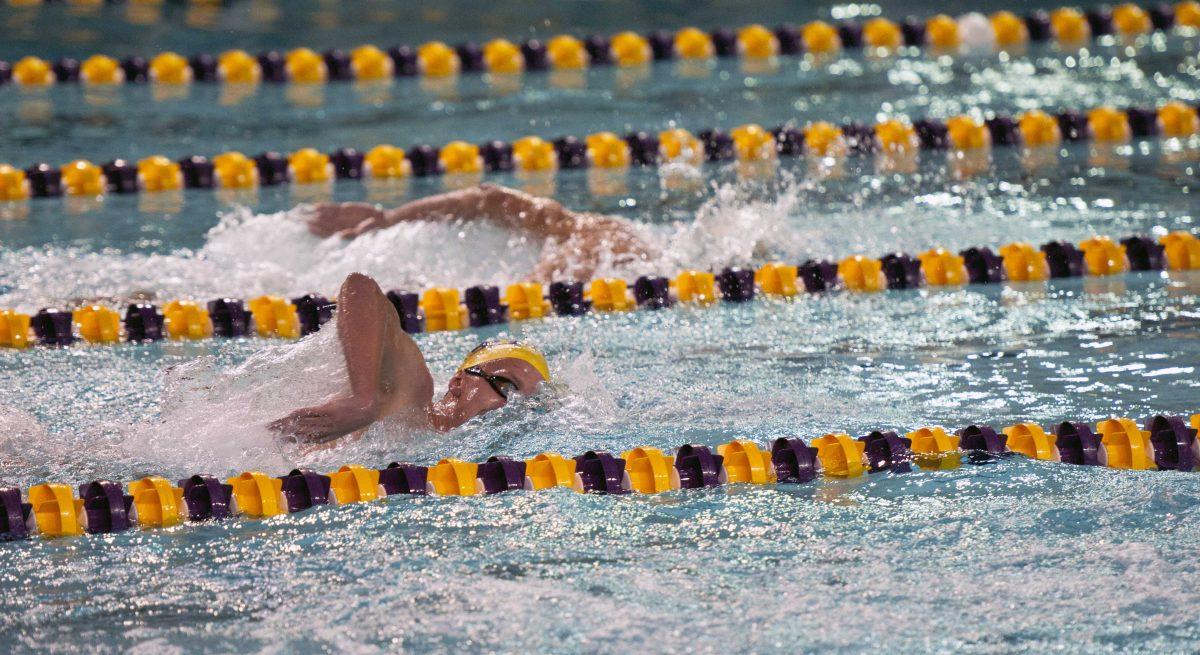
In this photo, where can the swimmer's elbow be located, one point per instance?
(357, 283)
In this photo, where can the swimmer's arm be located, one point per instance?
(329, 218)
(386, 369)
(578, 240)
(506, 207)
(516, 210)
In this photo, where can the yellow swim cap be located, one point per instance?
(490, 351)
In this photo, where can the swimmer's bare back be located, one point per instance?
(388, 374)
(575, 242)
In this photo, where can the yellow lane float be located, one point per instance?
(1024, 263)
(170, 68)
(258, 495)
(157, 503)
(693, 43)
(941, 32)
(274, 316)
(757, 42)
(943, 268)
(186, 319)
(386, 162)
(233, 170)
(1103, 257)
(526, 300)
(460, 157)
(752, 143)
(1182, 250)
(532, 154)
(355, 484)
(368, 64)
(1030, 440)
(777, 279)
(239, 67)
(453, 477)
(14, 329)
(820, 38)
(436, 59)
(610, 295)
(934, 449)
(32, 71)
(157, 173)
(649, 471)
(101, 70)
(1037, 128)
(746, 462)
(549, 470)
(861, 273)
(695, 287)
(56, 510)
(14, 184)
(97, 324)
(1124, 446)
(443, 309)
(630, 49)
(607, 150)
(305, 66)
(841, 455)
(503, 57)
(566, 52)
(882, 34)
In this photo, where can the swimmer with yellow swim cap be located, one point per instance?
(389, 377)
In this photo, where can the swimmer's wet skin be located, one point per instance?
(576, 241)
(389, 377)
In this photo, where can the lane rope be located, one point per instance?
(54, 509)
(940, 34)
(447, 308)
(896, 138)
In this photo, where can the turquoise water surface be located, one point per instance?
(1012, 556)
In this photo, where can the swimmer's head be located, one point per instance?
(487, 377)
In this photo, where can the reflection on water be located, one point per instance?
(1014, 555)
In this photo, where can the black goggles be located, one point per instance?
(501, 385)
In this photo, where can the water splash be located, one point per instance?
(792, 218)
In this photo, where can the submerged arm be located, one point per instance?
(578, 240)
(386, 369)
(506, 207)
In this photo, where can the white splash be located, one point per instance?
(216, 418)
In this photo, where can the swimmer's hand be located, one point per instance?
(322, 423)
(347, 219)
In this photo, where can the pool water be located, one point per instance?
(1015, 555)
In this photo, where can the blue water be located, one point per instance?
(1014, 556)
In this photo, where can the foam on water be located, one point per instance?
(214, 417)
(223, 401)
(225, 411)
(254, 254)
(792, 218)
(1004, 353)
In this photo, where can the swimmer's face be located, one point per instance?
(483, 388)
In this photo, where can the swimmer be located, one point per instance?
(576, 243)
(389, 377)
